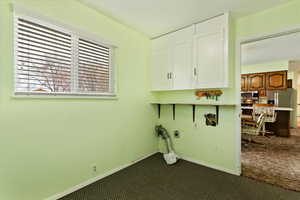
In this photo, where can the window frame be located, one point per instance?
(76, 34)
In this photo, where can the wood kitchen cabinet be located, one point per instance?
(256, 81)
(264, 81)
(244, 82)
(276, 80)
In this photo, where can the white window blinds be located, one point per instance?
(94, 62)
(53, 61)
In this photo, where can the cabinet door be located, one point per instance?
(244, 82)
(161, 77)
(256, 82)
(181, 58)
(277, 80)
(209, 58)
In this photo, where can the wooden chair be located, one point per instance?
(253, 128)
(270, 114)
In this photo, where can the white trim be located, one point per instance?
(20, 10)
(239, 42)
(97, 178)
(238, 107)
(229, 171)
(267, 35)
(24, 13)
(39, 96)
(275, 108)
(226, 35)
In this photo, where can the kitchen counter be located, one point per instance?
(276, 108)
(281, 127)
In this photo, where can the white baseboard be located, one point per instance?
(92, 180)
(205, 164)
(237, 173)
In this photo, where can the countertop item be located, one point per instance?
(276, 108)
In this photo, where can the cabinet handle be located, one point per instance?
(171, 75)
(195, 71)
(168, 76)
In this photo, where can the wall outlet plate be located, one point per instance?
(94, 169)
(176, 134)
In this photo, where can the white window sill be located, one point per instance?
(64, 96)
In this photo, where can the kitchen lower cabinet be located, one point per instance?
(281, 127)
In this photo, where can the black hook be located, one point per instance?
(173, 111)
(194, 111)
(158, 107)
(217, 114)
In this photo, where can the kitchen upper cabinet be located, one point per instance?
(209, 59)
(172, 61)
(256, 81)
(211, 53)
(264, 81)
(276, 80)
(161, 77)
(195, 57)
(161, 64)
(244, 82)
(181, 58)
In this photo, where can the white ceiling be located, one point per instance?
(156, 17)
(273, 49)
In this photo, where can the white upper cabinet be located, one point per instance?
(161, 77)
(182, 58)
(195, 57)
(172, 60)
(211, 53)
(161, 64)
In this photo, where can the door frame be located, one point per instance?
(239, 42)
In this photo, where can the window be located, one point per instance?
(51, 60)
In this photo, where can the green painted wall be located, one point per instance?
(215, 146)
(268, 67)
(280, 17)
(265, 67)
(49, 145)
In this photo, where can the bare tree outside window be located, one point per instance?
(53, 60)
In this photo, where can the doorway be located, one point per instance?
(268, 73)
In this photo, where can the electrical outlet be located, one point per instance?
(94, 169)
(195, 125)
(176, 134)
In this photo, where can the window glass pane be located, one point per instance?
(93, 67)
(52, 61)
(43, 59)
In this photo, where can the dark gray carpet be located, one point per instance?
(152, 179)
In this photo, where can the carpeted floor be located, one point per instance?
(152, 179)
(276, 160)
